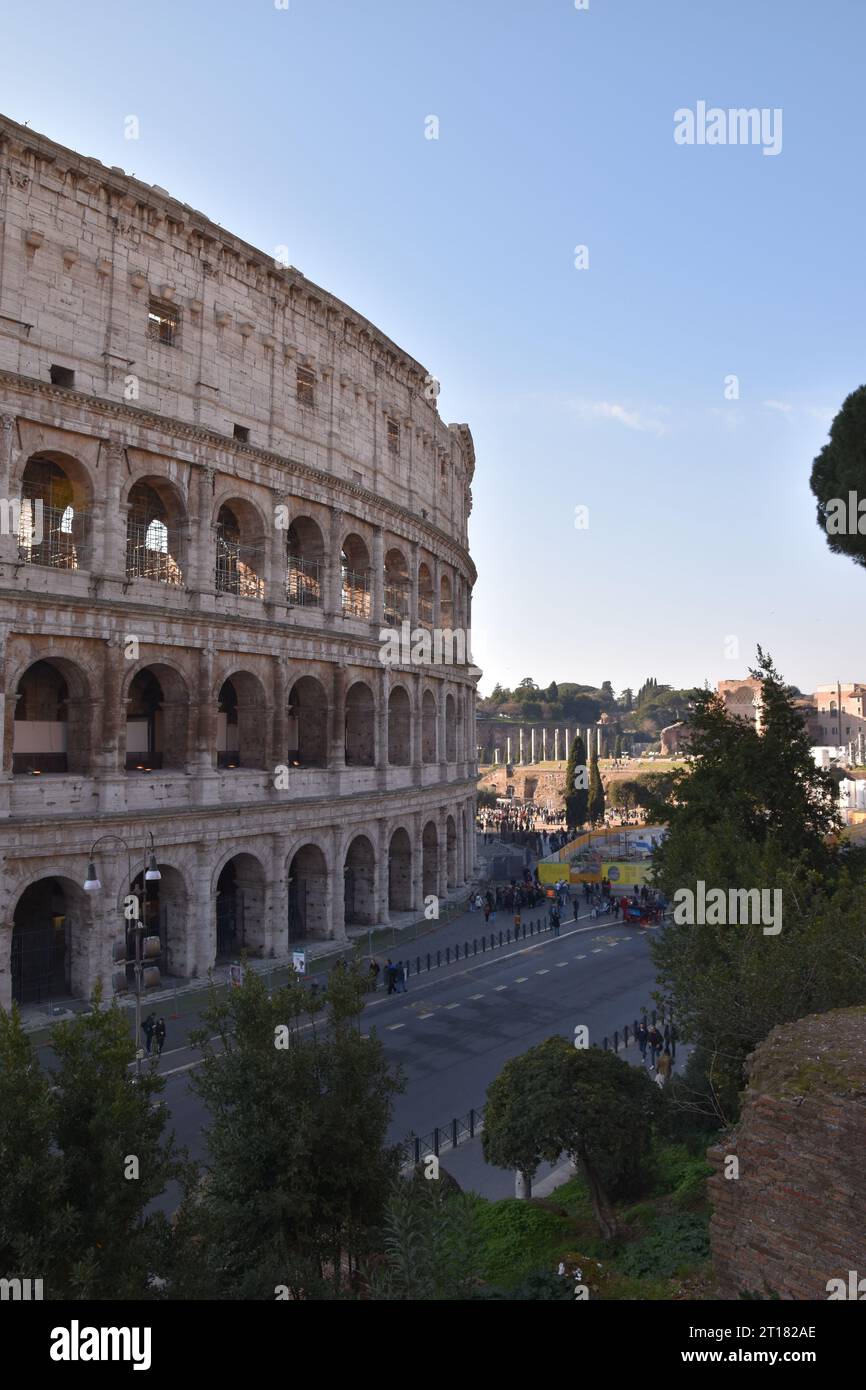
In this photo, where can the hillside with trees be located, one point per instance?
(634, 721)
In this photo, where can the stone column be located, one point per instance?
(556, 745)
(8, 488)
(417, 730)
(417, 864)
(442, 876)
(337, 887)
(112, 782)
(544, 745)
(201, 938)
(333, 583)
(441, 731)
(532, 757)
(382, 691)
(521, 757)
(109, 522)
(276, 557)
(437, 594)
(6, 965)
(383, 910)
(461, 848)
(377, 580)
(337, 757)
(496, 756)
(508, 758)
(201, 559)
(206, 784)
(567, 749)
(413, 585)
(278, 739)
(598, 740)
(277, 900)
(7, 731)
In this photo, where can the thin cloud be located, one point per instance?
(611, 410)
(782, 406)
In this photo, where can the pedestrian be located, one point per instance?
(555, 921)
(656, 1042)
(389, 975)
(673, 1041)
(663, 1069)
(159, 1034)
(147, 1029)
(486, 913)
(642, 1038)
(374, 975)
(516, 923)
(400, 975)
(477, 902)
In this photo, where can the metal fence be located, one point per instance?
(447, 955)
(443, 1138)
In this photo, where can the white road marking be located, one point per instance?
(498, 987)
(521, 979)
(393, 1026)
(425, 1015)
(452, 1006)
(598, 950)
(580, 958)
(476, 996)
(561, 963)
(542, 972)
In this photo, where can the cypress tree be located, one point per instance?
(596, 792)
(576, 798)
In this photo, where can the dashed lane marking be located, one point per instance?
(521, 979)
(560, 964)
(393, 1026)
(425, 1015)
(476, 996)
(499, 987)
(452, 1006)
(542, 972)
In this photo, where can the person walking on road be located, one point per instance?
(663, 1070)
(374, 975)
(147, 1029)
(656, 1042)
(642, 1038)
(389, 975)
(159, 1034)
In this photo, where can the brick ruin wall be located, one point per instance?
(795, 1218)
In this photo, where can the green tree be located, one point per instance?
(839, 469)
(109, 1126)
(588, 1103)
(596, 792)
(36, 1233)
(430, 1245)
(299, 1166)
(576, 794)
(755, 812)
(617, 748)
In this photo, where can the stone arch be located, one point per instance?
(240, 549)
(156, 526)
(446, 602)
(359, 883)
(430, 859)
(51, 719)
(451, 851)
(50, 938)
(425, 595)
(397, 587)
(400, 871)
(355, 576)
(239, 902)
(305, 556)
(157, 718)
(360, 726)
(164, 910)
(54, 527)
(451, 740)
(308, 723)
(241, 724)
(461, 740)
(399, 727)
(428, 727)
(309, 895)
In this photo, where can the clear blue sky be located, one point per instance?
(601, 387)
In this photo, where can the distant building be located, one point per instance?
(675, 739)
(742, 698)
(840, 713)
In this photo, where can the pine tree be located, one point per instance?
(576, 795)
(596, 792)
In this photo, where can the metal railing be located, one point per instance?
(146, 561)
(303, 582)
(443, 1137)
(237, 569)
(55, 536)
(396, 601)
(356, 593)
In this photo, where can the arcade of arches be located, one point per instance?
(259, 899)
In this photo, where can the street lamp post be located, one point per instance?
(150, 874)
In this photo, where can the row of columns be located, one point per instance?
(536, 745)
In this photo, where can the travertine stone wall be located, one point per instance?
(362, 468)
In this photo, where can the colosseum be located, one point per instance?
(218, 485)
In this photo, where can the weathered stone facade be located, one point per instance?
(794, 1218)
(218, 483)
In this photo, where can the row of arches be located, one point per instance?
(55, 530)
(53, 726)
(53, 917)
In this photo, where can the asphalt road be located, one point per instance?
(455, 1028)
